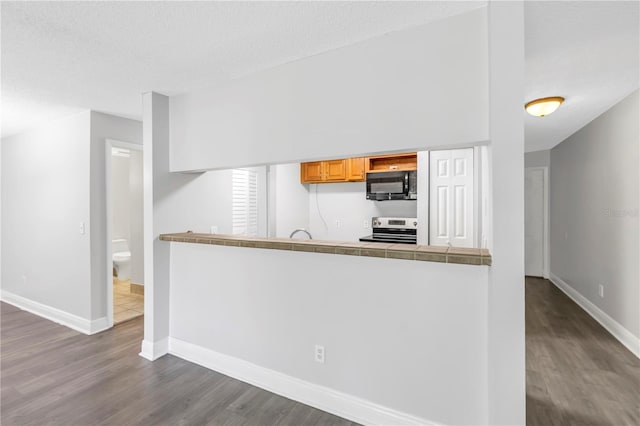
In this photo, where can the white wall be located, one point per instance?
(594, 188)
(290, 199)
(103, 127)
(323, 108)
(203, 201)
(537, 158)
(45, 198)
(506, 347)
(120, 197)
(54, 181)
(136, 217)
(0, 214)
(173, 202)
(374, 96)
(347, 203)
(405, 335)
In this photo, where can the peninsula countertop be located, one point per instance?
(459, 255)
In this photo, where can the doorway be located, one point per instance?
(125, 243)
(536, 221)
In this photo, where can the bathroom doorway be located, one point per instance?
(125, 225)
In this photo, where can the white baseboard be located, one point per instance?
(625, 337)
(321, 397)
(96, 326)
(56, 315)
(154, 350)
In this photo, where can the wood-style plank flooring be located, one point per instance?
(51, 375)
(577, 373)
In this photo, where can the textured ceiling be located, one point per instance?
(62, 57)
(586, 52)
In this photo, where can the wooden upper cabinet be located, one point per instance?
(323, 171)
(335, 170)
(312, 172)
(355, 170)
(391, 162)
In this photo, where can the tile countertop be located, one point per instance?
(467, 256)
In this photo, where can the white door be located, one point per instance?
(534, 221)
(451, 198)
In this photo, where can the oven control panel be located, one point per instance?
(394, 222)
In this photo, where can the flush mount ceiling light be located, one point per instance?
(543, 106)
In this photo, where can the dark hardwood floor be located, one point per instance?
(577, 373)
(51, 375)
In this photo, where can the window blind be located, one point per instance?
(244, 202)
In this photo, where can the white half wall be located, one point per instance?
(45, 199)
(595, 235)
(323, 108)
(407, 337)
(373, 96)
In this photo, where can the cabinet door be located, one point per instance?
(356, 170)
(311, 172)
(335, 170)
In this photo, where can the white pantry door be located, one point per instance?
(534, 222)
(451, 198)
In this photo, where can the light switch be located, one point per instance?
(82, 228)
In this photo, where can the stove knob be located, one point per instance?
(415, 223)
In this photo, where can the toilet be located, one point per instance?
(121, 258)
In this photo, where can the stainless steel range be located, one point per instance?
(402, 230)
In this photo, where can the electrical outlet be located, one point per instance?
(319, 354)
(365, 223)
(601, 290)
(338, 223)
(214, 229)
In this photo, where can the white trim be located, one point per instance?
(476, 197)
(109, 145)
(154, 350)
(623, 335)
(321, 397)
(56, 315)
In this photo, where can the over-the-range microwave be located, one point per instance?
(394, 185)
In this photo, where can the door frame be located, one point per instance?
(546, 258)
(109, 145)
